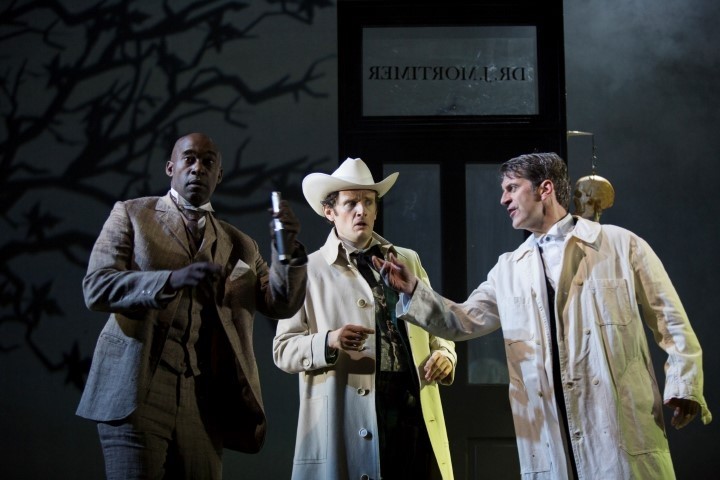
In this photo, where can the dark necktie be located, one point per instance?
(363, 259)
(193, 224)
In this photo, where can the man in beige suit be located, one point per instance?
(369, 403)
(174, 379)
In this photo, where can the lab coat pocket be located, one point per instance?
(612, 301)
(640, 416)
(519, 316)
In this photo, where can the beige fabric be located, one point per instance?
(337, 421)
(142, 241)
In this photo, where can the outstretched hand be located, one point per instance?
(395, 274)
(684, 411)
(193, 275)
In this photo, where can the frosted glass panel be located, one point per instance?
(489, 234)
(411, 212)
(450, 70)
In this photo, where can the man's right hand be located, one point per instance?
(395, 274)
(349, 337)
(193, 275)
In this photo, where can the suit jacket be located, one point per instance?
(142, 241)
(337, 401)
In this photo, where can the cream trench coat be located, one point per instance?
(337, 425)
(614, 408)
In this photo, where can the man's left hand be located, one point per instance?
(437, 367)
(684, 411)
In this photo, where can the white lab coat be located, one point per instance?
(609, 276)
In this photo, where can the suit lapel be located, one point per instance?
(171, 220)
(215, 234)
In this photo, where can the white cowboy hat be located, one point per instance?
(353, 174)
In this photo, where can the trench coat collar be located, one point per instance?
(334, 249)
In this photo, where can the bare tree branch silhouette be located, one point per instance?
(110, 91)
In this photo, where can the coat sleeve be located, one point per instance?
(113, 283)
(665, 315)
(280, 288)
(442, 317)
(298, 349)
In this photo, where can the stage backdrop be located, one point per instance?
(94, 93)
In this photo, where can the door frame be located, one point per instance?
(453, 142)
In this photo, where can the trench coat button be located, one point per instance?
(306, 362)
(540, 394)
(364, 476)
(596, 381)
(363, 433)
(587, 331)
(362, 391)
(361, 302)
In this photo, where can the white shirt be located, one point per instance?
(182, 203)
(552, 244)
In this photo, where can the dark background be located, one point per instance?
(93, 94)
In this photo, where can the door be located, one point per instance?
(444, 92)
(476, 408)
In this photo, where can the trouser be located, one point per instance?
(405, 451)
(166, 437)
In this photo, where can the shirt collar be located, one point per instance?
(350, 249)
(346, 250)
(182, 203)
(334, 248)
(557, 232)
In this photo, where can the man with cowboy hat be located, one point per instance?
(367, 381)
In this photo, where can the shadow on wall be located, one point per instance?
(91, 98)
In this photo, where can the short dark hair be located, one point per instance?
(538, 167)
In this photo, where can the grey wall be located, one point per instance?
(640, 76)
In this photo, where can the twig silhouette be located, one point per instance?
(110, 89)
